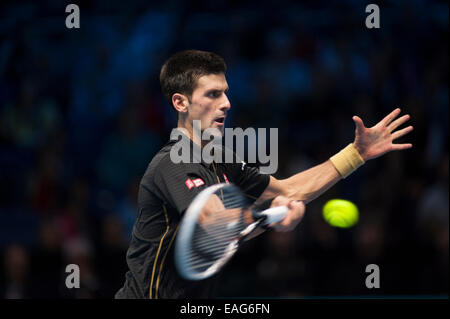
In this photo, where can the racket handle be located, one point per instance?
(274, 214)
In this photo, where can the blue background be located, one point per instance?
(81, 116)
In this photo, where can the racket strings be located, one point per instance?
(219, 234)
(211, 241)
(218, 239)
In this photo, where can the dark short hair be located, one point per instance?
(179, 74)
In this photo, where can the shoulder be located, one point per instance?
(164, 168)
(161, 161)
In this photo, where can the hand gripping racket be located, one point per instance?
(215, 224)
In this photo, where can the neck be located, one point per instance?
(194, 133)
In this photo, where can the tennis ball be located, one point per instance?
(340, 213)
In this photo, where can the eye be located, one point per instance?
(214, 94)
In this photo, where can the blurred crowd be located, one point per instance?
(81, 116)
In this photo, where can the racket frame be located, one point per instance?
(184, 238)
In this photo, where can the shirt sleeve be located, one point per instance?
(179, 183)
(250, 180)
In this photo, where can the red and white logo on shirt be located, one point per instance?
(189, 183)
(195, 182)
(198, 182)
(225, 178)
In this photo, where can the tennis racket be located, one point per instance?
(214, 226)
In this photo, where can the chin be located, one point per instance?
(214, 131)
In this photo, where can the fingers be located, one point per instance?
(400, 147)
(390, 117)
(358, 123)
(293, 217)
(398, 122)
(402, 132)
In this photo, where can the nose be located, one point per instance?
(225, 105)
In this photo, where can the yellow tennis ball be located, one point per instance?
(340, 213)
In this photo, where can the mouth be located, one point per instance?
(220, 120)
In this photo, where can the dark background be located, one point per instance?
(81, 115)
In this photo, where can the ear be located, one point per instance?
(180, 102)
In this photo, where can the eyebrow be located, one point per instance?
(217, 89)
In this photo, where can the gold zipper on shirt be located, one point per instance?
(218, 179)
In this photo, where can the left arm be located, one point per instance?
(369, 143)
(304, 186)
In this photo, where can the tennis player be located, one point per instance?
(194, 83)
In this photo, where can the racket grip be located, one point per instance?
(274, 214)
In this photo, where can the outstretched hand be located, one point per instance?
(378, 140)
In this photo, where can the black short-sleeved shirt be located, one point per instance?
(165, 192)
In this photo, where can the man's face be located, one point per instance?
(209, 102)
